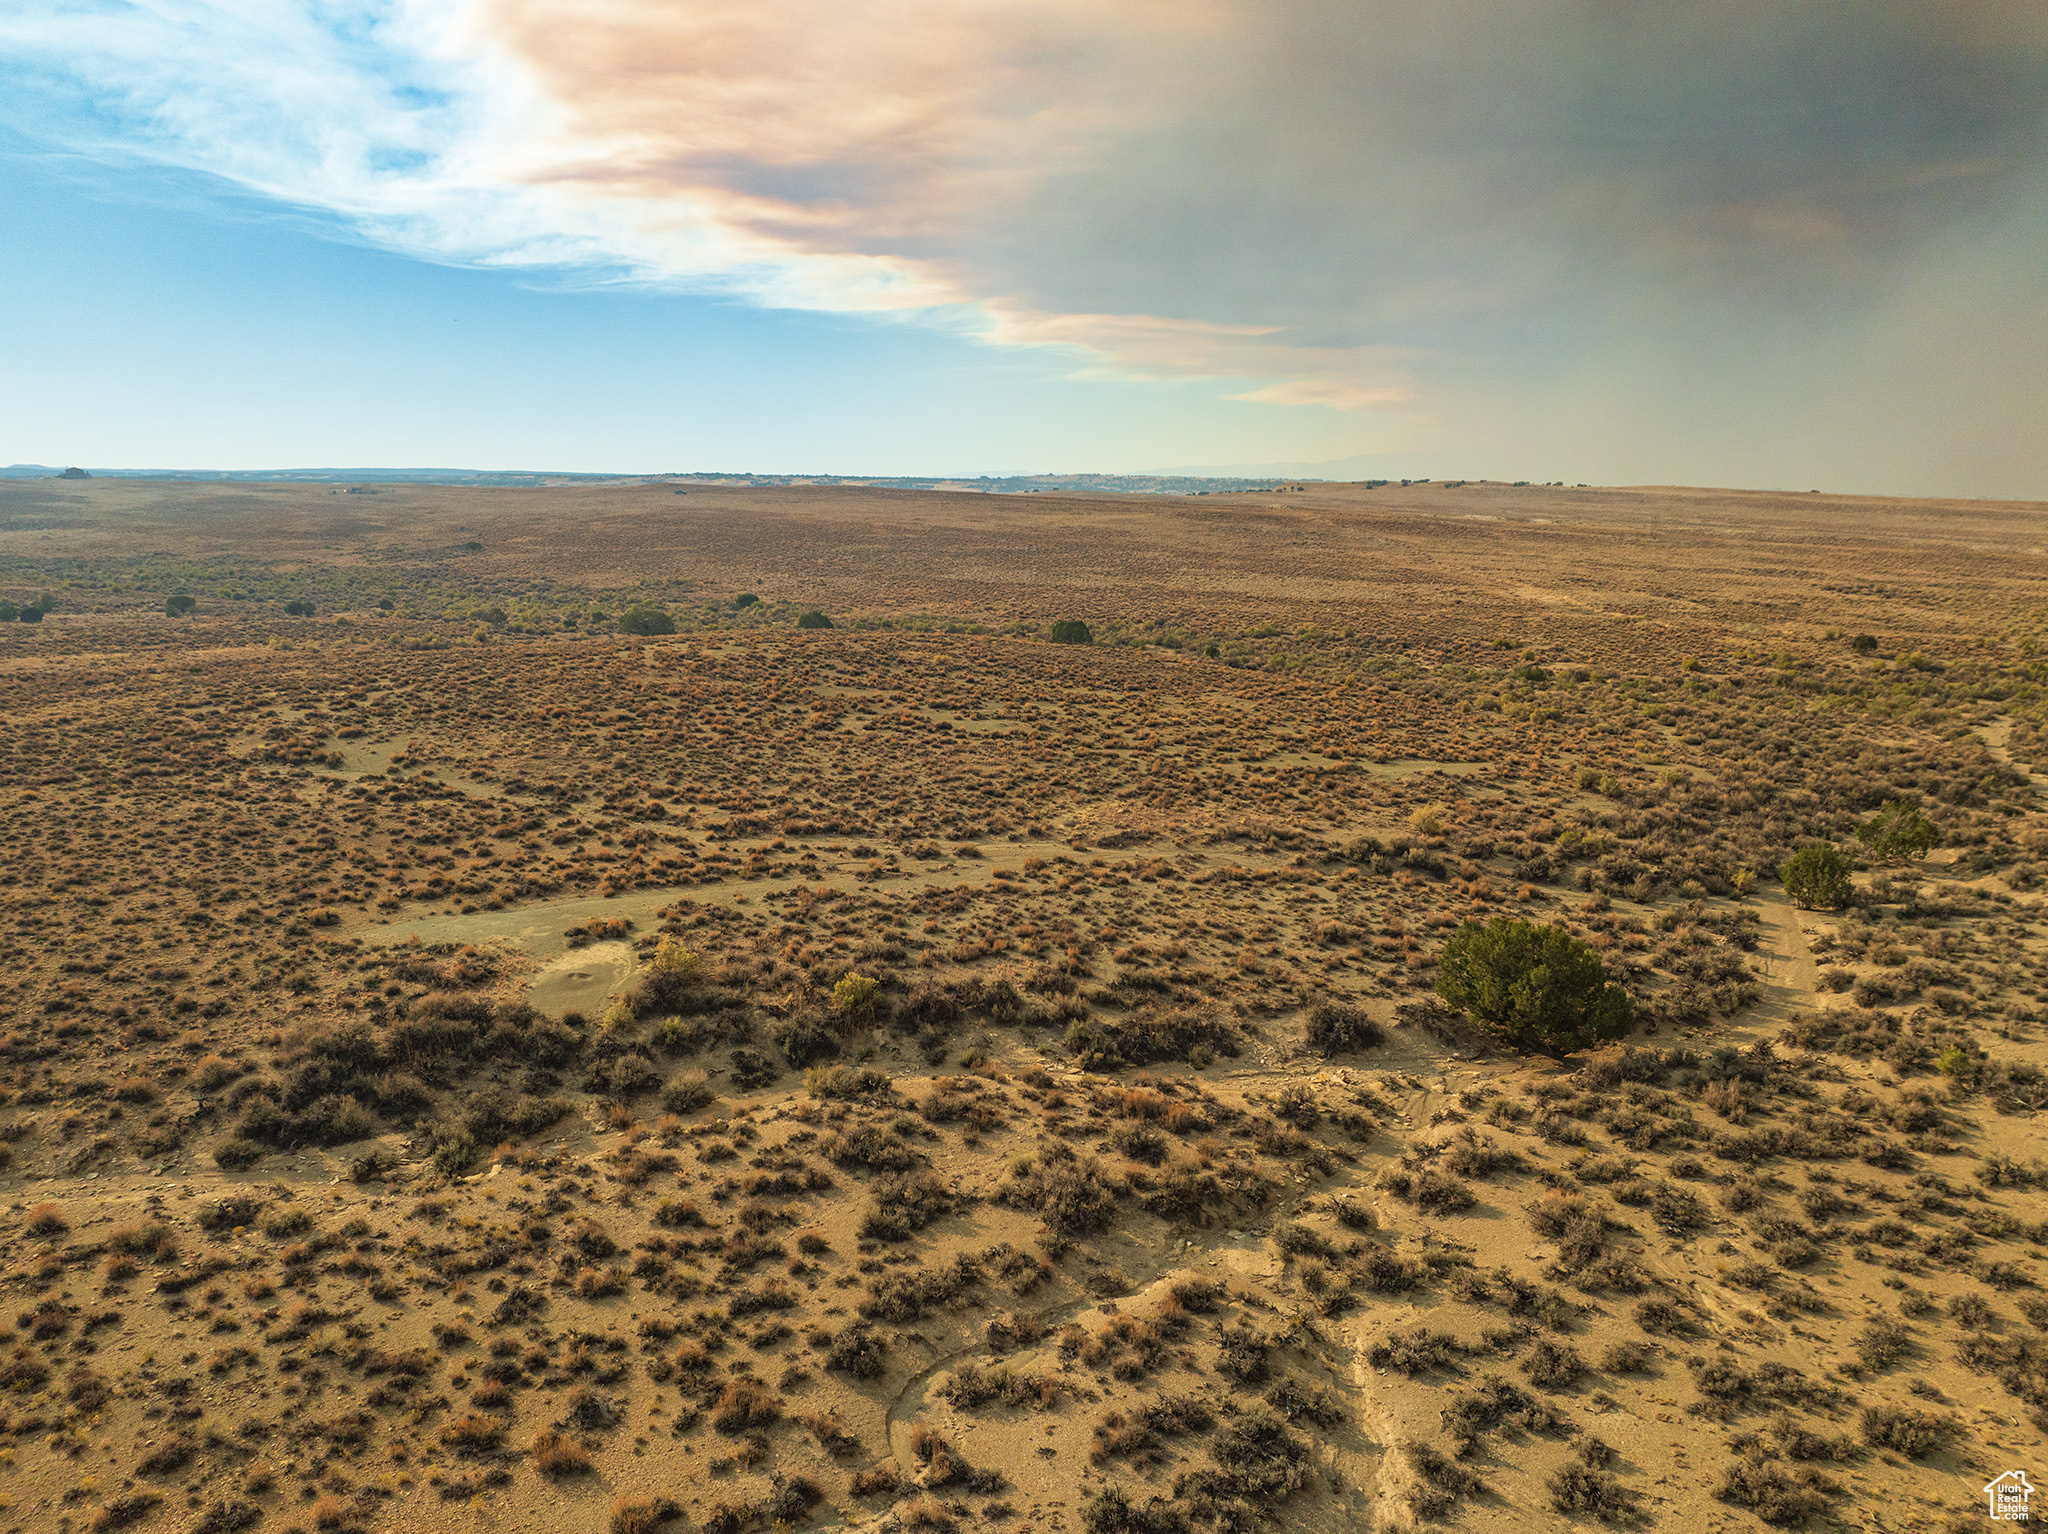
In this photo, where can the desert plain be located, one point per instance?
(464, 1065)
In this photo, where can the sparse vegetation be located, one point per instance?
(1336, 1029)
(526, 1061)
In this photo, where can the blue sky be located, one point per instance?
(1540, 240)
(162, 325)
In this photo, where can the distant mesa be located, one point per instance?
(74, 473)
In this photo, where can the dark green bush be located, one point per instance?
(1534, 987)
(1899, 833)
(1072, 631)
(1817, 877)
(646, 620)
(814, 620)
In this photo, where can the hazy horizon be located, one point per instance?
(1251, 474)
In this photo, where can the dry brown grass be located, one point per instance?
(474, 1432)
(630, 1516)
(743, 1404)
(556, 1455)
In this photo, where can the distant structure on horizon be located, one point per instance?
(74, 473)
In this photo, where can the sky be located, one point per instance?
(1795, 246)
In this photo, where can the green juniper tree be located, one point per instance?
(1817, 877)
(1535, 987)
(1898, 833)
(646, 620)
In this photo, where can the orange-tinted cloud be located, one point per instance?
(850, 154)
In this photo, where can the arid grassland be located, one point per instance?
(468, 1065)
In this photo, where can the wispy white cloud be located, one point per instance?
(826, 158)
(406, 123)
